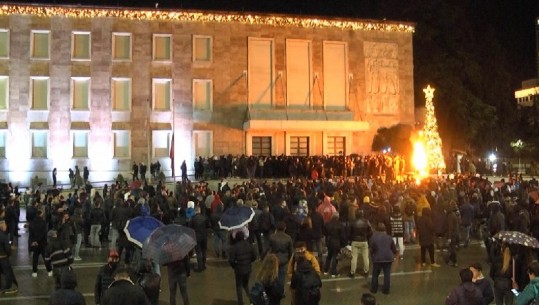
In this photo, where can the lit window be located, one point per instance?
(40, 45)
(162, 91)
(202, 95)
(162, 47)
(261, 146)
(80, 144)
(122, 142)
(121, 94)
(299, 146)
(335, 75)
(4, 92)
(121, 46)
(260, 72)
(161, 143)
(4, 43)
(202, 46)
(336, 146)
(81, 46)
(203, 143)
(80, 93)
(39, 93)
(39, 144)
(3, 136)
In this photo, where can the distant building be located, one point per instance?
(102, 87)
(528, 96)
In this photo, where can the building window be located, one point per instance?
(203, 143)
(161, 140)
(299, 146)
(335, 75)
(40, 45)
(202, 95)
(121, 94)
(261, 146)
(202, 46)
(121, 46)
(4, 92)
(161, 94)
(260, 72)
(80, 93)
(39, 144)
(80, 46)
(298, 73)
(162, 47)
(336, 146)
(4, 43)
(39, 93)
(3, 140)
(80, 144)
(122, 143)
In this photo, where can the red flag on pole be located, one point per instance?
(172, 155)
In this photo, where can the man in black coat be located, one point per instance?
(58, 254)
(281, 244)
(123, 291)
(67, 293)
(37, 241)
(200, 224)
(5, 265)
(105, 276)
(178, 272)
(242, 255)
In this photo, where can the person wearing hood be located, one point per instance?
(105, 276)
(326, 209)
(305, 283)
(465, 293)
(67, 295)
(482, 283)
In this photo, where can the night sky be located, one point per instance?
(513, 20)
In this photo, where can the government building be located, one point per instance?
(106, 87)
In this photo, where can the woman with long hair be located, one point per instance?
(268, 276)
(501, 271)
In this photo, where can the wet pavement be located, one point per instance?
(411, 283)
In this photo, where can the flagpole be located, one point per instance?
(172, 142)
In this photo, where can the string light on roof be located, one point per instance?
(192, 16)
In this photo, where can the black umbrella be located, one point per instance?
(169, 243)
(517, 238)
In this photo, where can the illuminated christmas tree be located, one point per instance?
(433, 142)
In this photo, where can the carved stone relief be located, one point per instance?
(382, 77)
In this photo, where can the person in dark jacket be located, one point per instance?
(9, 283)
(360, 233)
(383, 252)
(305, 283)
(426, 232)
(466, 293)
(268, 275)
(37, 242)
(200, 224)
(317, 231)
(67, 295)
(178, 272)
(242, 255)
(453, 219)
(482, 283)
(266, 226)
(149, 280)
(466, 215)
(58, 254)
(397, 229)
(123, 291)
(105, 275)
(334, 237)
(281, 244)
(96, 219)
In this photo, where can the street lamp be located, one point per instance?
(518, 145)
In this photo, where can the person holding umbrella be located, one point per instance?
(242, 255)
(178, 272)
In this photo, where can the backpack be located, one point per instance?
(310, 287)
(258, 294)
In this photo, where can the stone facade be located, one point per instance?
(379, 89)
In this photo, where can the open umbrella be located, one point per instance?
(139, 228)
(517, 238)
(169, 243)
(236, 217)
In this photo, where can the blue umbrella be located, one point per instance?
(169, 243)
(236, 217)
(139, 228)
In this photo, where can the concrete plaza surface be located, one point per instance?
(411, 284)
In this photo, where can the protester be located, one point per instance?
(360, 233)
(37, 242)
(178, 272)
(67, 295)
(283, 247)
(305, 283)
(242, 255)
(466, 293)
(530, 292)
(268, 276)
(105, 275)
(9, 284)
(122, 291)
(482, 283)
(383, 252)
(200, 223)
(58, 255)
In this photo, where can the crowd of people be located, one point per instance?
(305, 227)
